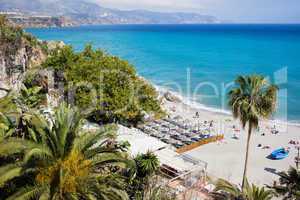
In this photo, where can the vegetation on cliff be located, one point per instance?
(102, 85)
(19, 50)
(105, 86)
(11, 34)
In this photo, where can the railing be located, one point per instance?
(200, 143)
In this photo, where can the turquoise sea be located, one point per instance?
(199, 60)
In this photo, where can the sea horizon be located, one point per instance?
(182, 57)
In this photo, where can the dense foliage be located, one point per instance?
(103, 85)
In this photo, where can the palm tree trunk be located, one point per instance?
(247, 155)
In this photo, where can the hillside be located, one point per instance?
(86, 12)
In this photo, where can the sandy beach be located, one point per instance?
(226, 159)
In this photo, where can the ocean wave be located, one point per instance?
(188, 101)
(198, 106)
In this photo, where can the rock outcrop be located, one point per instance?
(19, 51)
(171, 97)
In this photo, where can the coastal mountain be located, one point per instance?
(87, 12)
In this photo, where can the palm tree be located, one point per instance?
(147, 164)
(289, 184)
(66, 161)
(252, 98)
(227, 191)
(140, 172)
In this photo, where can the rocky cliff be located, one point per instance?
(35, 21)
(19, 51)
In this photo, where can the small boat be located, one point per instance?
(279, 154)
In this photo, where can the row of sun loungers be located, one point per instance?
(178, 134)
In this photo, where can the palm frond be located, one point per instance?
(12, 146)
(225, 186)
(109, 158)
(29, 193)
(67, 123)
(91, 140)
(40, 152)
(9, 172)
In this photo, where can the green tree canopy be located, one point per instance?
(104, 85)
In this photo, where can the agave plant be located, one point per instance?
(65, 161)
(227, 191)
(289, 186)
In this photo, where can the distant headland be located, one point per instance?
(58, 13)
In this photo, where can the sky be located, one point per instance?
(252, 11)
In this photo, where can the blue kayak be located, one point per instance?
(279, 154)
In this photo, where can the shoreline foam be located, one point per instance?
(198, 106)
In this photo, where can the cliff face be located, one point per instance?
(30, 21)
(17, 59)
(19, 51)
